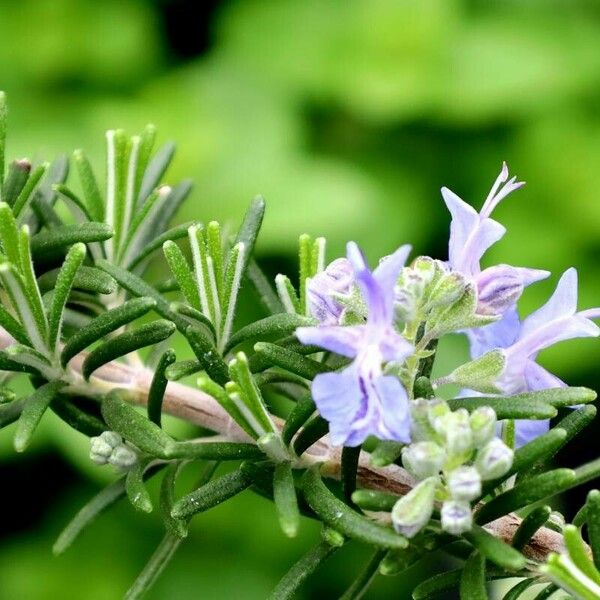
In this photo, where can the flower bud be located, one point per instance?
(423, 459)
(456, 517)
(457, 431)
(112, 438)
(494, 459)
(438, 411)
(483, 425)
(332, 537)
(498, 288)
(421, 428)
(123, 456)
(449, 288)
(336, 279)
(412, 512)
(464, 483)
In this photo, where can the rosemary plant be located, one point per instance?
(365, 440)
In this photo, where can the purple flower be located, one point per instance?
(360, 401)
(554, 322)
(324, 289)
(472, 234)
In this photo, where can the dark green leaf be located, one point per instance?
(349, 467)
(123, 418)
(342, 518)
(3, 115)
(508, 407)
(182, 273)
(104, 324)
(12, 326)
(89, 185)
(33, 411)
(220, 451)
(557, 397)
(126, 342)
(290, 361)
(301, 412)
(472, 581)
(263, 287)
(515, 592)
(48, 241)
(176, 527)
(495, 550)
(10, 412)
(248, 232)
(27, 193)
(537, 518)
(374, 500)
(79, 419)
(386, 452)
(87, 279)
(533, 489)
(305, 567)
(182, 369)
(273, 327)
(207, 354)
(159, 386)
(312, 432)
(98, 504)
(136, 490)
(593, 524)
(211, 494)
(18, 173)
(155, 170)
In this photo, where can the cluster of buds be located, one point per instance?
(453, 452)
(109, 448)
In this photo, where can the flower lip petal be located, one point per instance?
(345, 341)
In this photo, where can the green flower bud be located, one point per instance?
(456, 517)
(423, 459)
(457, 431)
(421, 428)
(438, 411)
(412, 512)
(332, 537)
(483, 425)
(123, 456)
(464, 484)
(494, 459)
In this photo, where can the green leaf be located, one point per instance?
(33, 411)
(434, 586)
(79, 419)
(472, 581)
(250, 394)
(593, 524)
(263, 288)
(287, 294)
(269, 328)
(136, 490)
(495, 550)
(44, 197)
(176, 527)
(248, 231)
(49, 241)
(386, 452)
(27, 193)
(215, 251)
(183, 368)
(10, 412)
(508, 407)
(135, 427)
(286, 502)
(64, 284)
(18, 174)
(97, 505)
(374, 500)
(515, 592)
(13, 327)
(156, 168)
(361, 584)
(536, 519)
(147, 139)
(533, 489)
(9, 235)
(220, 451)
(578, 552)
(175, 233)
(312, 432)
(342, 518)
(161, 219)
(207, 354)
(89, 185)
(104, 324)
(211, 494)
(586, 472)
(479, 374)
(182, 273)
(193, 317)
(290, 361)
(87, 279)
(162, 555)
(298, 416)
(159, 386)
(234, 273)
(126, 342)
(301, 570)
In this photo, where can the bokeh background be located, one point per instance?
(348, 116)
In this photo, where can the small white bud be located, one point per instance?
(99, 459)
(457, 431)
(123, 457)
(99, 447)
(112, 438)
(483, 425)
(464, 483)
(494, 459)
(423, 459)
(456, 517)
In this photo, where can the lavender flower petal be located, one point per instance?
(345, 341)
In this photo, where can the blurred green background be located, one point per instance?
(348, 116)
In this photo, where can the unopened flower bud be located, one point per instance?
(427, 268)
(423, 459)
(456, 517)
(332, 537)
(123, 456)
(498, 288)
(464, 483)
(321, 291)
(437, 413)
(421, 428)
(483, 425)
(112, 438)
(494, 459)
(412, 512)
(447, 290)
(457, 431)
